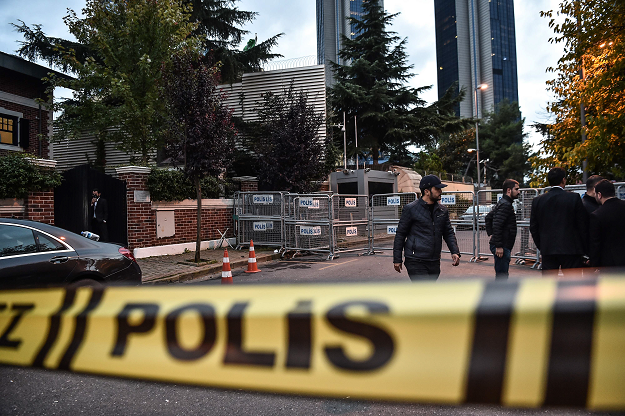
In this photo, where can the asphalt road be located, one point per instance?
(25, 391)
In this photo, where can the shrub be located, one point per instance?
(173, 185)
(20, 176)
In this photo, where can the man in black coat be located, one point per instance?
(99, 215)
(589, 201)
(504, 229)
(607, 230)
(559, 227)
(422, 226)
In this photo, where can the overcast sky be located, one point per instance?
(296, 19)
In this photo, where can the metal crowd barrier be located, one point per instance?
(333, 223)
(386, 210)
(350, 223)
(308, 223)
(460, 205)
(260, 217)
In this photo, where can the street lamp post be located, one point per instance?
(344, 142)
(477, 136)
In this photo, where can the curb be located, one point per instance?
(204, 270)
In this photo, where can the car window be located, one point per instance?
(48, 244)
(16, 240)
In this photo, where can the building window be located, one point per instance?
(8, 130)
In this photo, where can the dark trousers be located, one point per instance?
(422, 269)
(502, 265)
(571, 265)
(100, 228)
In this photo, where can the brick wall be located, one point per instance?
(40, 206)
(213, 219)
(141, 218)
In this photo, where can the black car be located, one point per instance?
(33, 254)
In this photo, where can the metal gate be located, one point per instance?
(72, 202)
(386, 210)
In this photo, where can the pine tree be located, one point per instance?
(371, 85)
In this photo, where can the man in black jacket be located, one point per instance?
(607, 230)
(99, 215)
(559, 227)
(422, 226)
(504, 228)
(589, 201)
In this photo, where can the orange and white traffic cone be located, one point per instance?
(226, 272)
(251, 261)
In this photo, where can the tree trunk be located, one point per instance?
(198, 240)
(375, 152)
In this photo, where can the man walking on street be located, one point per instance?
(559, 227)
(422, 226)
(589, 201)
(607, 230)
(504, 228)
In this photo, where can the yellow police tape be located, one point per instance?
(527, 343)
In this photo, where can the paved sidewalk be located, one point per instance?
(172, 269)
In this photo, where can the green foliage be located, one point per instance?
(591, 73)
(449, 154)
(372, 87)
(287, 143)
(20, 176)
(217, 25)
(173, 185)
(116, 89)
(502, 141)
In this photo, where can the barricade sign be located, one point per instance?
(350, 202)
(351, 231)
(386, 209)
(263, 199)
(448, 199)
(527, 343)
(310, 230)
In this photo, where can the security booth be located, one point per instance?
(363, 182)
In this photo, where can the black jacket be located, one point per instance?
(419, 236)
(504, 224)
(559, 223)
(590, 203)
(607, 234)
(101, 210)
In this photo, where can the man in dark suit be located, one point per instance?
(607, 229)
(589, 201)
(99, 215)
(559, 227)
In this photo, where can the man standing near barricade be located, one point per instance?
(607, 230)
(504, 228)
(420, 232)
(589, 201)
(559, 227)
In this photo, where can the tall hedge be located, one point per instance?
(20, 176)
(173, 185)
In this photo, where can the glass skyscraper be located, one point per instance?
(475, 44)
(331, 24)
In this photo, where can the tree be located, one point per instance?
(116, 96)
(371, 86)
(590, 74)
(216, 24)
(285, 139)
(200, 133)
(502, 143)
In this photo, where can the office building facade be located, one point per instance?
(476, 44)
(331, 24)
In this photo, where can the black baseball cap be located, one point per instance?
(429, 181)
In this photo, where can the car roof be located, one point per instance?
(75, 240)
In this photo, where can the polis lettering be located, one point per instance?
(21, 309)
